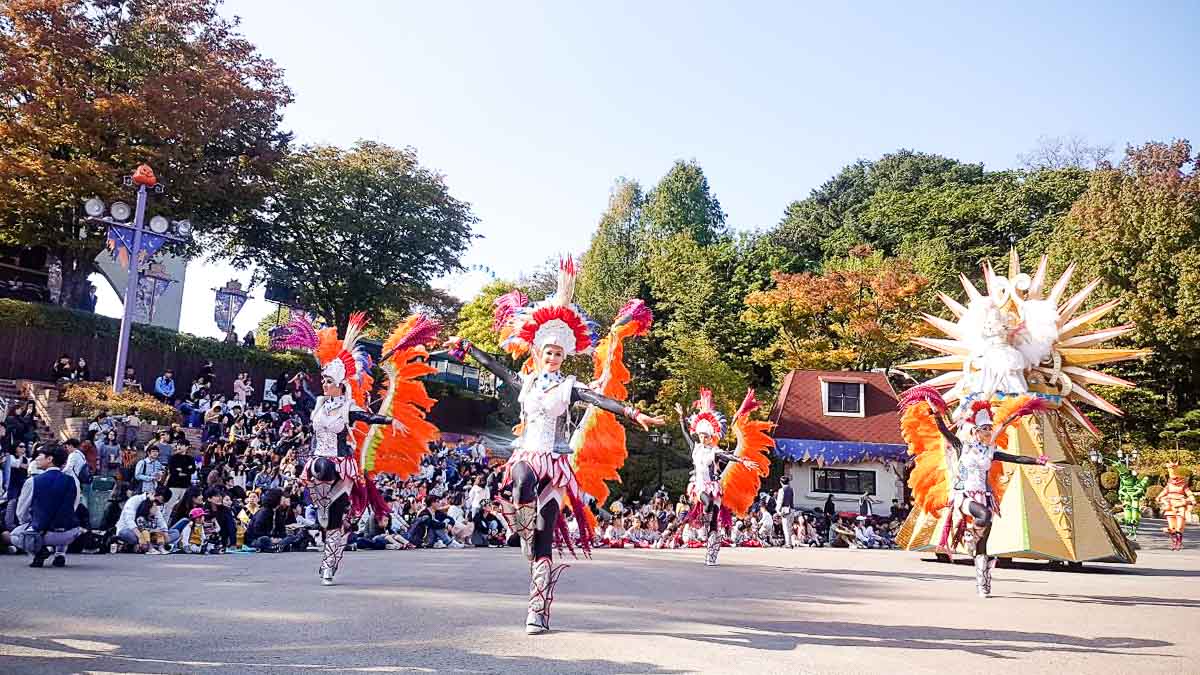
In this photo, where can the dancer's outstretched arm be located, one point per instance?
(460, 347)
(683, 425)
(1018, 459)
(592, 397)
(946, 433)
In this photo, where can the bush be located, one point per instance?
(93, 398)
(1109, 480)
(1112, 497)
(60, 319)
(1152, 493)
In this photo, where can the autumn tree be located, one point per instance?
(1141, 222)
(857, 314)
(361, 229)
(91, 88)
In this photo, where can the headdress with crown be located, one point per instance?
(525, 327)
(706, 419)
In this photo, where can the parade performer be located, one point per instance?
(541, 472)
(1175, 501)
(1131, 490)
(717, 497)
(961, 470)
(349, 443)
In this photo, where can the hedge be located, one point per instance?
(60, 319)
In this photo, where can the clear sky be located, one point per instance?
(532, 110)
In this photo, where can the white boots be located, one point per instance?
(543, 578)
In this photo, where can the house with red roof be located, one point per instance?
(839, 434)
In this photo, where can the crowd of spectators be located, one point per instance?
(237, 490)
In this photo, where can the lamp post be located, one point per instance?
(661, 441)
(144, 243)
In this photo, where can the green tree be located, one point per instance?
(830, 221)
(474, 321)
(92, 88)
(682, 203)
(611, 269)
(359, 229)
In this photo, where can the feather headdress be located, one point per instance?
(556, 320)
(707, 420)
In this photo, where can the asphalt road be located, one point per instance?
(761, 611)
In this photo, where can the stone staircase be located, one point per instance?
(56, 418)
(10, 391)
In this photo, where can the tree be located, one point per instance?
(858, 314)
(1065, 152)
(1141, 222)
(610, 271)
(474, 321)
(92, 88)
(681, 203)
(829, 222)
(361, 229)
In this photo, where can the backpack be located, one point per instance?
(85, 474)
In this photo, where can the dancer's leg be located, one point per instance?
(522, 512)
(981, 527)
(543, 574)
(335, 535)
(712, 509)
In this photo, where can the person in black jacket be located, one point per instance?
(268, 528)
(215, 498)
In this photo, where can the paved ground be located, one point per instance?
(762, 611)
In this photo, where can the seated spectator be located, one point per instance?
(81, 372)
(62, 369)
(164, 387)
(268, 529)
(131, 379)
(488, 530)
(142, 525)
(212, 425)
(808, 535)
(192, 537)
(46, 509)
(842, 534)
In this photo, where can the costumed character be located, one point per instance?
(541, 472)
(961, 470)
(1175, 501)
(716, 497)
(349, 443)
(1131, 490)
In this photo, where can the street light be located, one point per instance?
(661, 441)
(118, 230)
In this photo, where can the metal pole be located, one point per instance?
(139, 214)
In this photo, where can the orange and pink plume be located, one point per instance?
(505, 306)
(636, 312)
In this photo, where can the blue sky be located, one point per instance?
(532, 110)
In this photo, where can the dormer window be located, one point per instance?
(842, 397)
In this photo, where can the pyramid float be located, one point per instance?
(1044, 514)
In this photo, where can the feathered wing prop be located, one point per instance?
(299, 333)
(934, 461)
(599, 442)
(384, 448)
(739, 482)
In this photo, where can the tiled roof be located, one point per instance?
(798, 415)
